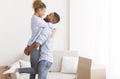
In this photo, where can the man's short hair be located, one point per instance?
(56, 17)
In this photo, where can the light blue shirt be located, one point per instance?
(47, 42)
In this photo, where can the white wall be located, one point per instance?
(15, 31)
(86, 28)
(95, 32)
(61, 37)
(115, 39)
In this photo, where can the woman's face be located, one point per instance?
(42, 12)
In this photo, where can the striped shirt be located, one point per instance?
(47, 42)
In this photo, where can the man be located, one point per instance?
(41, 59)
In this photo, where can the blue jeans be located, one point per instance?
(40, 67)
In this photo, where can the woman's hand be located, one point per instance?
(53, 33)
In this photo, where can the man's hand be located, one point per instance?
(53, 33)
(30, 49)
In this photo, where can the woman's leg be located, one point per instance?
(43, 67)
(33, 61)
(34, 58)
(27, 70)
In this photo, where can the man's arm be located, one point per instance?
(53, 33)
(45, 34)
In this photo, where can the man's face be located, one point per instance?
(49, 17)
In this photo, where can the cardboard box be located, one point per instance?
(98, 71)
(84, 67)
(86, 70)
